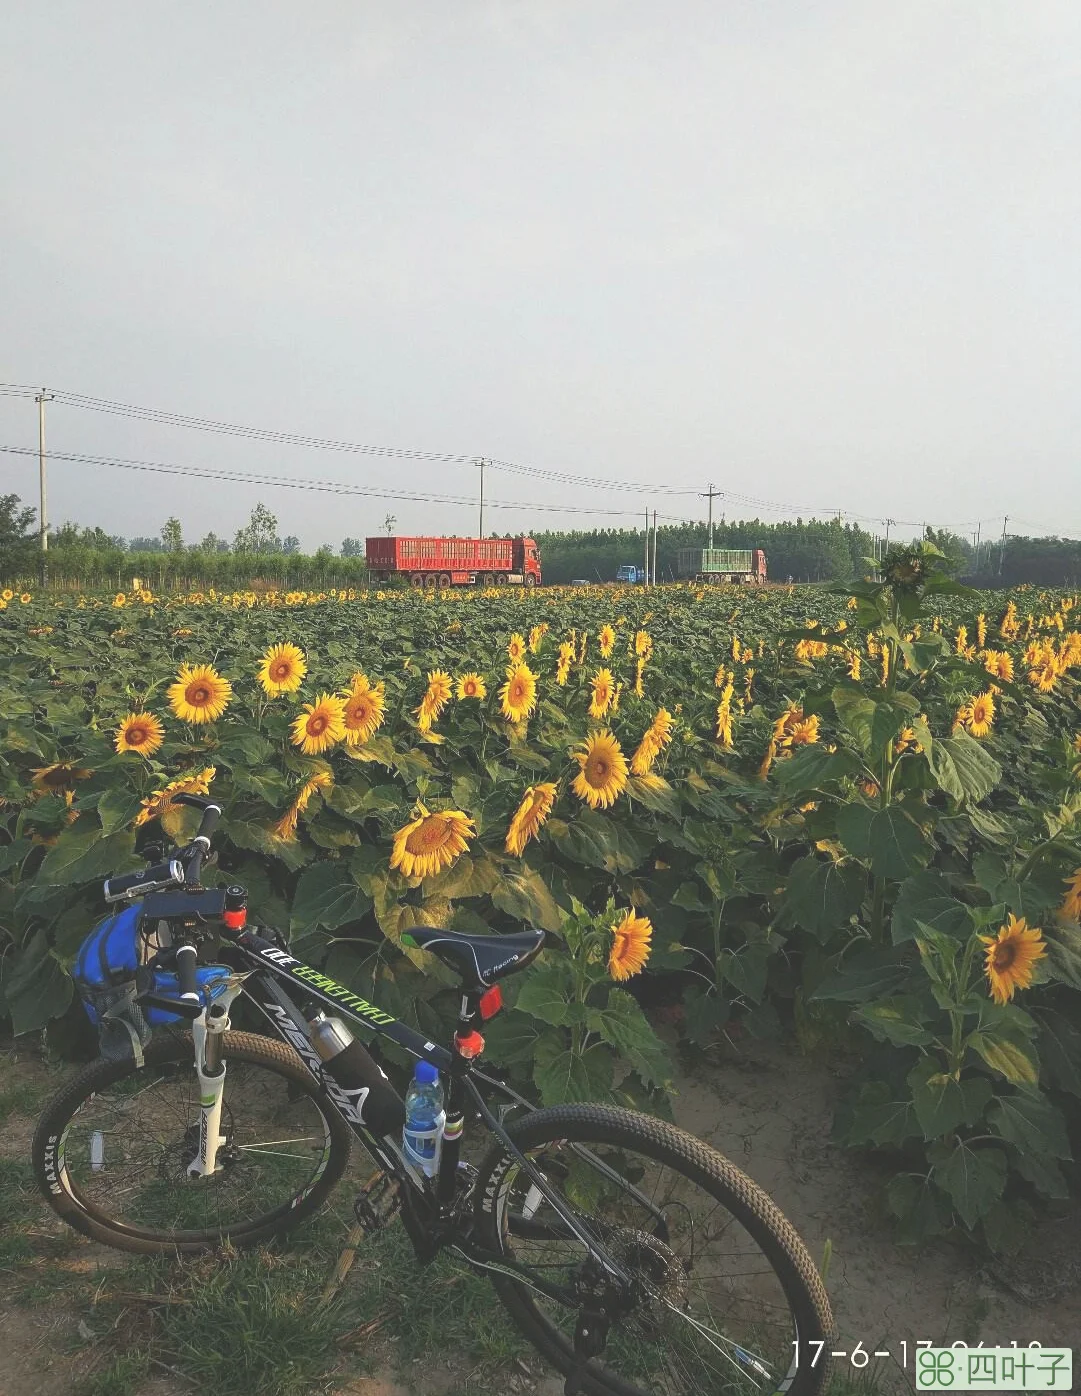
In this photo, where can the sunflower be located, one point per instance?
(630, 946)
(7, 594)
(471, 685)
(643, 644)
(604, 687)
(999, 665)
(436, 697)
(602, 777)
(724, 724)
(536, 635)
(518, 696)
(161, 806)
(199, 694)
(286, 827)
(516, 648)
(526, 822)
(431, 842)
(1010, 957)
(1071, 903)
(981, 714)
(26, 598)
(607, 640)
(282, 670)
(359, 683)
(60, 777)
(119, 601)
(140, 732)
(363, 711)
(1046, 677)
(655, 738)
(3, 604)
(320, 726)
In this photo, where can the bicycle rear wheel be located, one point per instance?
(112, 1148)
(723, 1298)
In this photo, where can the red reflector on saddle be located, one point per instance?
(491, 1001)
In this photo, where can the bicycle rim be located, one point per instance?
(721, 1300)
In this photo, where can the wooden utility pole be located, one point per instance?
(709, 495)
(480, 525)
(43, 516)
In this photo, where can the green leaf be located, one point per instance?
(918, 1206)
(523, 894)
(1064, 953)
(511, 1039)
(1060, 1048)
(13, 853)
(599, 841)
(973, 1179)
(703, 1014)
(856, 712)
(862, 977)
(898, 846)
(35, 985)
(117, 808)
(562, 1075)
(1031, 1123)
(963, 768)
(811, 767)
(854, 828)
(989, 870)
(881, 1116)
(823, 896)
(943, 1103)
(1015, 1060)
(898, 1020)
(83, 854)
(1005, 1229)
(623, 1024)
(327, 896)
(547, 995)
(925, 897)
(1043, 1173)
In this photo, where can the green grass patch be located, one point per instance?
(124, 1376)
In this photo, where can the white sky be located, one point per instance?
(822, 254)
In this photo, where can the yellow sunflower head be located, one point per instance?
(536, 635)
(630, 946)
(282, 670)
(643, 644)
(363, 711)
(518, 696)
(161, 804)
(607, 640)
(1071, 903)
(199, 694)
(431, 842)
(604, 688)
(1010, 957)
(7, 594)
(141, 733)
(516, 648)
(26, 598)
(602, 774)
(981, 714)
(534, 809)
(120, 600)
(59, 778)
(471, 685)
(320, 726)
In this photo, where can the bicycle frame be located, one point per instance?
(430, 1213)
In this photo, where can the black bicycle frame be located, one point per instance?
(273, 964)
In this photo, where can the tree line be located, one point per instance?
(807, 550)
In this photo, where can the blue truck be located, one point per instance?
(629, 573)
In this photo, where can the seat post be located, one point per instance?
(464, 1050)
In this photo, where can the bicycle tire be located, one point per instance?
(73, 1203)
(543, 1132)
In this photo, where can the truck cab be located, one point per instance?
(630, 573)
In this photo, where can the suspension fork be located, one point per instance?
(207, 1033)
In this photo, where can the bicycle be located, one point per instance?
(634, 1257)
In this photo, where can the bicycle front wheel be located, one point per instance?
(112, 1150)
(722, 1298)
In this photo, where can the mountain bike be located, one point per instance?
(638, 1261)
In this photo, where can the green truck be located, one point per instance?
(743, 566)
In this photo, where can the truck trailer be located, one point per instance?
(452, 562)
(746, 566)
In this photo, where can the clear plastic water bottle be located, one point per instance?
(422, 1136)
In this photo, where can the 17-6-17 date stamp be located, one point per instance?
(959, 1367)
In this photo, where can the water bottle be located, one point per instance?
(422, 1135)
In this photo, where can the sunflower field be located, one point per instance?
(852, 817)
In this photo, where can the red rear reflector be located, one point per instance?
(491, 1001)
(235, 920)
(469, 1046)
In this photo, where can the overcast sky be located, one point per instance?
(824, 255)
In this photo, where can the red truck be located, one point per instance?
(447, 562)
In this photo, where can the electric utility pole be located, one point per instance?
(710, 495)
(43, 517)
(480, 526)
(1002, 545)
(646, 568)
(888, 522)
(654, 547)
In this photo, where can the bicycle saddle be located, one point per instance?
(479, 960)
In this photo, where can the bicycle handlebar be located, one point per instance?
(182, 869)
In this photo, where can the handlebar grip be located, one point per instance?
(209, 822)
(186, 958)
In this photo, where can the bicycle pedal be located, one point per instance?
(377, 1203)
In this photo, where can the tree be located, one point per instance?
(352, 547)
(17, 541)
(260, 534)
(146, 545)
(213, 544)
(291, 545)
(172, 536)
